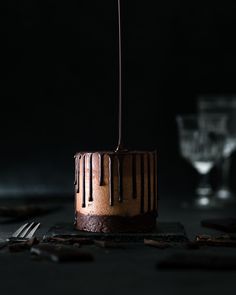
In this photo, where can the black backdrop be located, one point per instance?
(59, 83)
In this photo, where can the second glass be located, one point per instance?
(202, 140)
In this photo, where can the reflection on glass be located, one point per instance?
(202, 140)
(225, 105)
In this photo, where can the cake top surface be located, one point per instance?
(121, 152)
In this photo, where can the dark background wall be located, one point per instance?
(59, 83)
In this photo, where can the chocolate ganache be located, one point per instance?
(116, 191)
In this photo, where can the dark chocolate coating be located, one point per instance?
(104, 223)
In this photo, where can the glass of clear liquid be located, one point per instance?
(202, 140)
(225, 105)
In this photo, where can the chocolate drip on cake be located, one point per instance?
(148, 174)
(91, 178)
(120, 140)
(120, 178)
(134, 177)
(142, 183)
(83, 182)
(75, 179)
(149, 182)
(101, 167)
(116, 206)
(77, 173)
(154, 181)
(155, 164)
(110, 169)
(111, 188)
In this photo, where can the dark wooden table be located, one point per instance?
(115, 271)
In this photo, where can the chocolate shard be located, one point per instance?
(157, 244)
(222, 240)
(61, 253)
(109, 244)
(223, 224)
(198, 260)
(22, 246)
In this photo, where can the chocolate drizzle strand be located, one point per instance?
(101, 167)
(154, 181)
(134, 178)
(155, 163)
(120, 178)
(77, 173)
(76, 182)
(142, 183)
(149, 182)
(91, 178)
(83, 182)
(120, 143)
(111, 188)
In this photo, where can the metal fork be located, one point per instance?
(24, 233)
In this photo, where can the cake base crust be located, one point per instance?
(104, 223)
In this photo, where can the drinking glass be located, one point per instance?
(202, 140)
(225, 105)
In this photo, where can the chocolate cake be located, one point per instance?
(116, 191)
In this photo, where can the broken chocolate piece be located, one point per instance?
(22, 246)
(198, 261)
(61, 253)
(222, 240)
(157, 244)
(224, 224)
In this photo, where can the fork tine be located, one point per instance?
(32, 231)
(20, 229)
(25, 231)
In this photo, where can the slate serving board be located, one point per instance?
(165, 231)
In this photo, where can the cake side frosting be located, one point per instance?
(116, 184)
